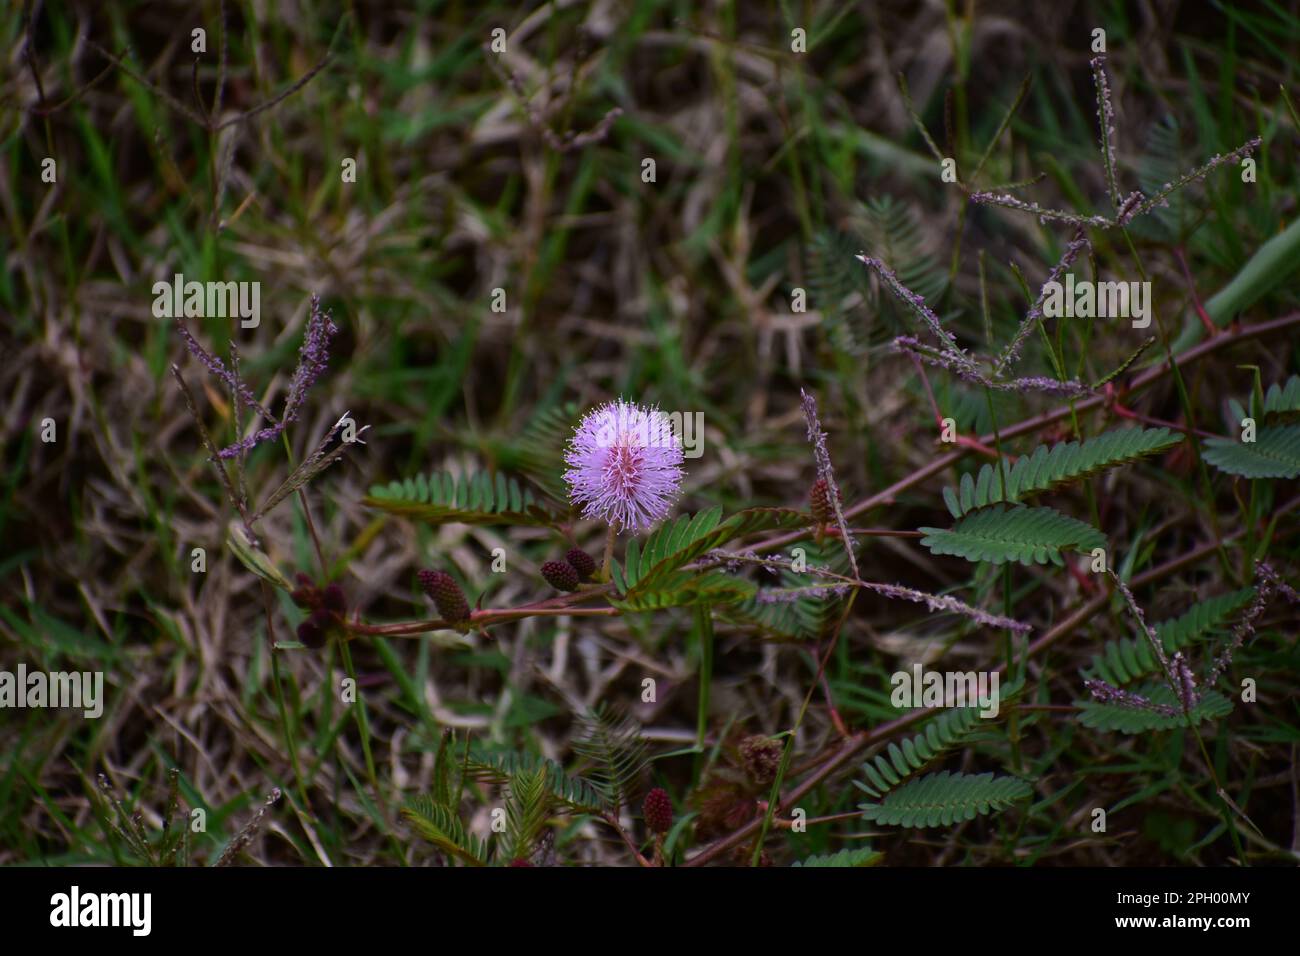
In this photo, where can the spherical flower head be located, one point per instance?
(625, 465)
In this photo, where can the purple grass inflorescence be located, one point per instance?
(624, 465)
(313, 358)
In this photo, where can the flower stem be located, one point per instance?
(609, 552)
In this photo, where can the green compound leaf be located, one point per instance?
(942, 799)
(441, 826)
(675, 543)
(889, 768)
(528, 806)
(1127, 660)
(860, 856)
(480, 499)
(611, 741)
(576, 793)
(683, 589)
(671, 545)
(1275, 453)
(1135, 720)
(1045, 468)
(1282, 402)
(1000, 533)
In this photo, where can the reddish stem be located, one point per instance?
(1125, 412)
(1210, 328)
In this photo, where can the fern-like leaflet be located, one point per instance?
(1282, 402)
(1126, 660)
(1045, 468)
(650, 568)
(480, 499)
(528, 805)
(945, 798)
(576, 793)
(856, 857)
(441, 826)
(999, 533)
(1275, 453)
(613, 744)
(888, 770)
(682, 589)
(537, 451)
(1137, 720)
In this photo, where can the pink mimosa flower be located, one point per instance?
(624, 465)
